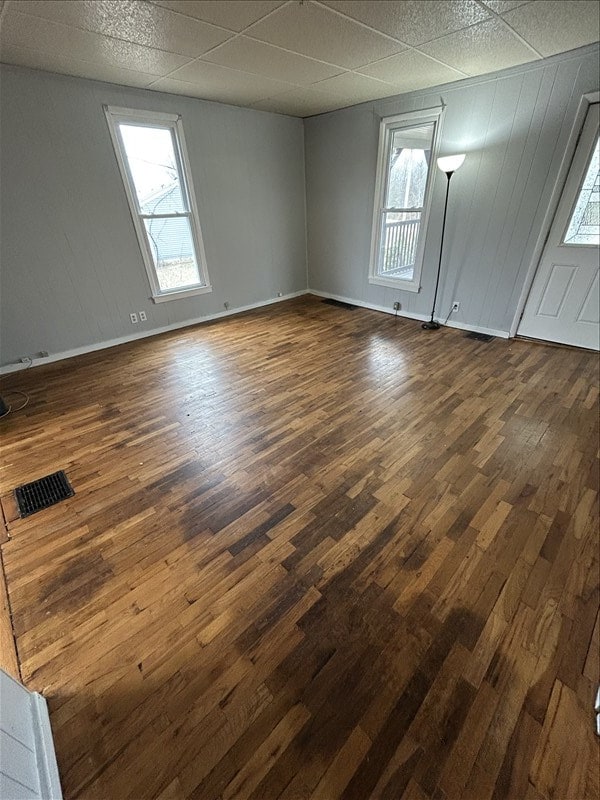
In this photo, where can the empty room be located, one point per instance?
(299, 400)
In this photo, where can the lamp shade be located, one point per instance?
(450, 163)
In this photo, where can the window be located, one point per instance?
(151, 153)
(584, 225)
(407, 149)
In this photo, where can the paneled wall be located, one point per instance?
(513, 127)
(71, 269)
(28, 768)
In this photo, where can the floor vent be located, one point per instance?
(480, 337)
(45, 492)
(339, 303)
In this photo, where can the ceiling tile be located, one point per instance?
(264, 59)
(132, 21)
(485, 47)
(213, 81)
(354, 88)
(65, 65)
(504, 5)
(413, 21)
(553, 27)
(51, 38)
(302, 102)
(237, 95)
(315, 31)
(233, 14)
(411, 70)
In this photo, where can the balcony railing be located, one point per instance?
(399, 248)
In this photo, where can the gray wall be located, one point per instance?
(71, 269)
(513, 127)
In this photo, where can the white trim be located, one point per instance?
(178, 294)
(44, 749)
(565, 164)
(410, 315)
(386, 127)
(141, 114)
(476, 329)
(398, 283)
(174, 123)
(91, 348)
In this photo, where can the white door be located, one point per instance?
(563, 304)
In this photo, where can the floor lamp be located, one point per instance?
(449, 165)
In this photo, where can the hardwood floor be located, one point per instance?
(313, 553)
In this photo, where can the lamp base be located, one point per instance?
(431, 326)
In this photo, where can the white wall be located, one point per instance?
(514, 128)
(71, 269)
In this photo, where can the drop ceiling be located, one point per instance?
(299, 58)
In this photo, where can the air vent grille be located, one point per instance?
(44, 492)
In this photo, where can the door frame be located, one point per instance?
(565, 165)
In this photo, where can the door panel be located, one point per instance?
(590, 310)
(557, 288)
(563, 301)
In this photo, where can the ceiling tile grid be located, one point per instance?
(298, 57)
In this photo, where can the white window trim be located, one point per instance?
(387, 126)
(114, 115)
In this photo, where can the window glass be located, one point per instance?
(407, 162)
(584, 225)
(151, 155)
(153, 166)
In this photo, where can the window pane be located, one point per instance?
(172, 249)
(153, 166)
(584, 226)
(399, 239)
(408, 166)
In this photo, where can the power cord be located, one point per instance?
(449, 315)
(10, 408)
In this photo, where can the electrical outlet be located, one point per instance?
(133, 317)
(279, 294)
(143, 316)
(397, 306)
(226, 304)
(455, 305)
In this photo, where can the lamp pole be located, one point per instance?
(448, 165)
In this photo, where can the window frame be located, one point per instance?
(173, 122)
(386, 129)
(563, 240)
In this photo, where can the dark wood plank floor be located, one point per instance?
(313, 553)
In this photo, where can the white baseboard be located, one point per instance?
(478, 329)
(370, 306)
(410, 315)
(90, 348)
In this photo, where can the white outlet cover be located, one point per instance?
(133, 317)
(143, 316)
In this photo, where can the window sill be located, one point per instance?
(396, 283)
(178, 294)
